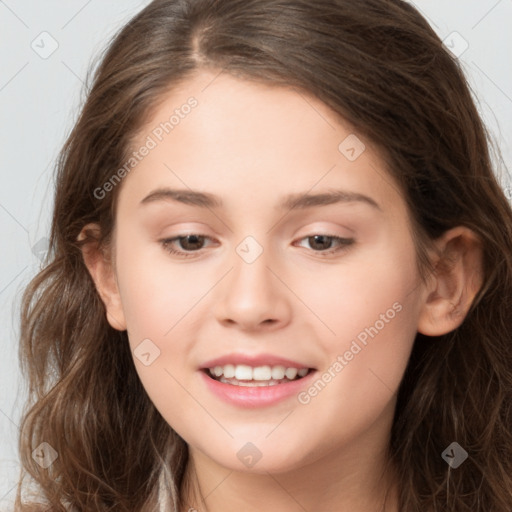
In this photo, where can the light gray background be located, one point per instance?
(39, 100)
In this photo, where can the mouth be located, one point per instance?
(257, 376)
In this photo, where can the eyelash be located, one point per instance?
(345, 243)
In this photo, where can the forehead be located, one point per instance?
(242, 138)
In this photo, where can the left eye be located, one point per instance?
(190, 243)
(327, 240)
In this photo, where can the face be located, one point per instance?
(247, 277)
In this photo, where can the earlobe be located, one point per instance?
(100, 268)
(457, 278)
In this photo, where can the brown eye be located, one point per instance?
(188, 244)
(191, 242)
(322, 243)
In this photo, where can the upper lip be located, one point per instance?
(253, 360)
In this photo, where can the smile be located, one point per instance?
(246, 386)
(245, 375)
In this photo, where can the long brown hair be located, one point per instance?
(380, 66)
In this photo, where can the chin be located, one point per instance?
(258, 459)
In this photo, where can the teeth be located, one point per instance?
(228, 371)
(291, 373)
(278, 372)
(269, 374)
(242, 372)
(261, 373)
(251, 383)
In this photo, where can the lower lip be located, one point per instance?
(256, 396)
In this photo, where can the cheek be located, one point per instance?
(364, 371)
(155, 294)
(162, 304)
(156, 298)
(373, 312)
(364, 296)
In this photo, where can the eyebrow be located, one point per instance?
(291, 201)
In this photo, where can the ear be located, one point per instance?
(99, 264)
(456, 280)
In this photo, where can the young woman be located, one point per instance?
(280, 273)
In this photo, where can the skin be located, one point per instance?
(251, 144)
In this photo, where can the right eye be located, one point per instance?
(188, 240)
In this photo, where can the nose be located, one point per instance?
(253, 296)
